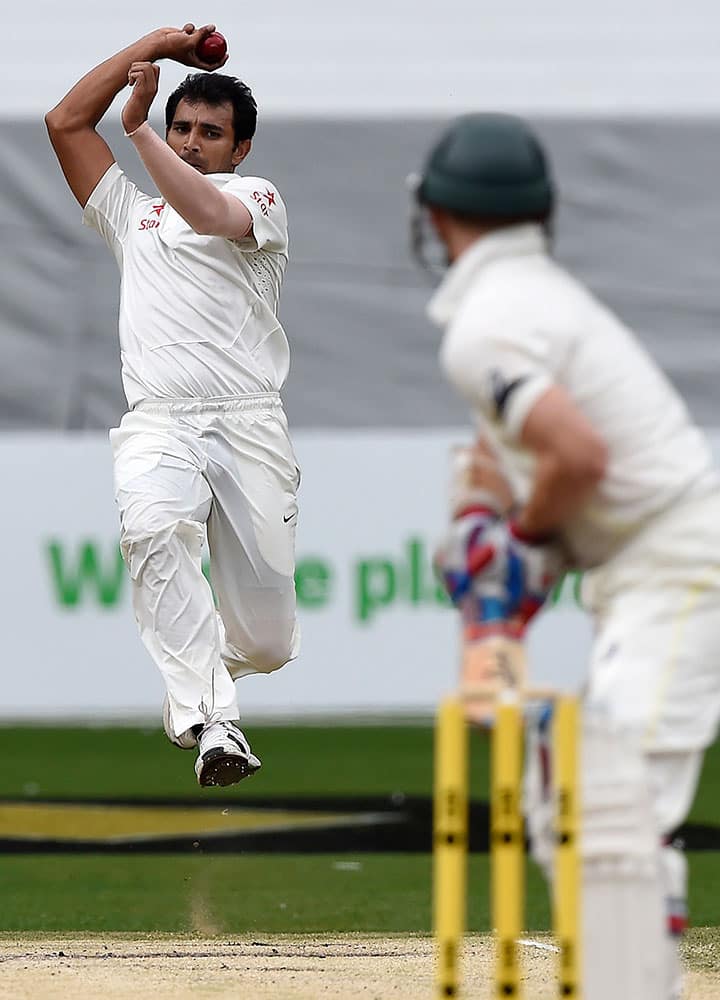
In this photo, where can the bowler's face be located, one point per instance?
(202, 135)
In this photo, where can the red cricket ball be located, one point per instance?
(212, 49)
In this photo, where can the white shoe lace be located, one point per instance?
(210, 713)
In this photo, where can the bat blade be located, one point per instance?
(491, 667)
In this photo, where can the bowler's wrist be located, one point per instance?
(130, 133)
(157, 45)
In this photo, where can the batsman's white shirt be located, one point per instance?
(198, 314)
(516, 324)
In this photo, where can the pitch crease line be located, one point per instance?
(540, 945)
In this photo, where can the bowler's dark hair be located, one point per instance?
(215, 89)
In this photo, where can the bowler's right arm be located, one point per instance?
(84, 155)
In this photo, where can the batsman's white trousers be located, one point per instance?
(656, 658)
(655, 678)
(226, 467)
(655, 669)
(655, 666)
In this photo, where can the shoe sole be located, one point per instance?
(223, 769)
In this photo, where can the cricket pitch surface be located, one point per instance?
(288, 967)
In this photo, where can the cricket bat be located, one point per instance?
(493, 660)
(491, 667)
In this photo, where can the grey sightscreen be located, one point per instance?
(639, 221)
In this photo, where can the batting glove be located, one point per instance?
(463, 551)
(493, 572)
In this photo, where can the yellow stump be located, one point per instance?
(507, 847)
(450, 830)
(566, 753)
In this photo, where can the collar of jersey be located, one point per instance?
(514, 241)
(220, 180)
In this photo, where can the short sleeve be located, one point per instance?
(262, 199)
(502, 374)
(110, 206)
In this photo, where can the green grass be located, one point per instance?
(239, 894)
(255, 893)
(261, 893)
(297, 760)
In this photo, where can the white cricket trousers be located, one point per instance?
(655, 669)
(655, 663)
(225, 467)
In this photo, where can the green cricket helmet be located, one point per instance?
(486, 167)
(489, 166)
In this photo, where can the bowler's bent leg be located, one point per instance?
(251, 536)
(164, 502)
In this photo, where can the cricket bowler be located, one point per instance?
(204, 448)
(610, 476)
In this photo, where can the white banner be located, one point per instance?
(377, 634)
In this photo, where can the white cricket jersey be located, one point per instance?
(198, 314)
(516, 324)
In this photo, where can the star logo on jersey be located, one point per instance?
(265, 199)
(150, 222)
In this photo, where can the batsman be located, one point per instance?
(608, 475)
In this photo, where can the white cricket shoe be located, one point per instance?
(186, 740)
(224, 755)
